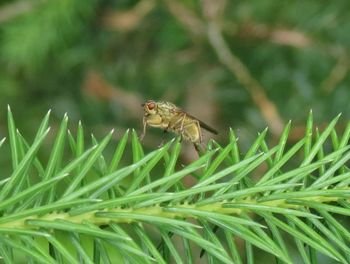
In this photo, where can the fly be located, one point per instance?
(169, 117)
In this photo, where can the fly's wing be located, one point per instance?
(202, 124)
(207, 127)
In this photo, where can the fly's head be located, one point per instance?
(150, 108)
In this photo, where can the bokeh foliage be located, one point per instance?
(296, 50)
(98, 60)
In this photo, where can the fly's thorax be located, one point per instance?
(166, 110)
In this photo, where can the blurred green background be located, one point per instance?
(239, 64)
(231, 63)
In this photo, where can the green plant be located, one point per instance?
(78, 207)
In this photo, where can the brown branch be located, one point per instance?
(234, 64)
(129, 19)
(97, 87)
(186, 17)
(338, 73)
(226, 57)
(297, 39)
(280, 36)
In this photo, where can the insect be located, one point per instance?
(169, 117)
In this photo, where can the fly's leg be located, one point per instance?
(174, 124)
(182, 121)
(182, 124)
(199, 132)
(197, 147)
(144, 128)
(163, 139)
(178, 125)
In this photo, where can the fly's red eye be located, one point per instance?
(151, 106)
